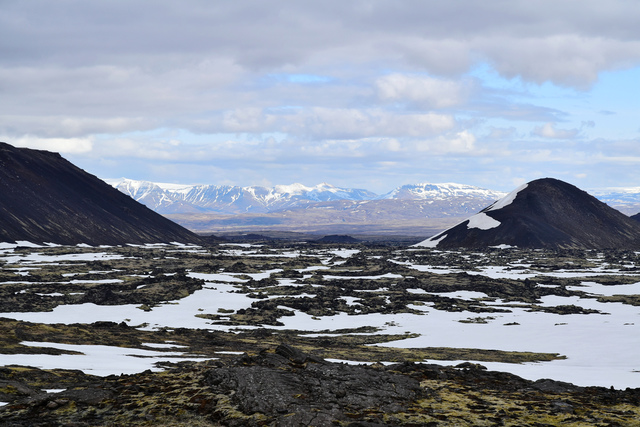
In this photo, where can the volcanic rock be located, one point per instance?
(545, 213)
(337, 238)
(45, 198)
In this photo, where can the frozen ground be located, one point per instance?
(601, 348)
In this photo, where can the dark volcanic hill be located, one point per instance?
(45, 198)
(545, 213)
(636, 217)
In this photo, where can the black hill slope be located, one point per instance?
(545, 213)
(45, 198)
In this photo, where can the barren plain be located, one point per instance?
(190, 335)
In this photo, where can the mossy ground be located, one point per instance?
(466, 396)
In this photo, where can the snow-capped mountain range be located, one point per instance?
(231, 200)
(175, 198)
(224, 199)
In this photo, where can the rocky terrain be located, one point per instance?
(286, 387)
(115, 328)
(47, 199)
(286, 333)
(545, 213)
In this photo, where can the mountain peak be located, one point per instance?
(440, 191)
(545, 213)
(45, 198)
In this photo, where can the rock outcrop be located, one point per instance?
(45, 198)
(288, 387)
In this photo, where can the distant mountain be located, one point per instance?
(45, 198)
(213, 208)
(222, 199)
(173, 199)
(444, 191)
(624, 199)
(323, 208)
(545, 213)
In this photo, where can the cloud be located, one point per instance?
(247, 120)
(496, 133)
(45, 126)
(362, 123)
(329, 123)
(573, 60)
(336, 86)
(462, 142)
(552, 41)
(424, 90)
(59, 145)
(548, 130)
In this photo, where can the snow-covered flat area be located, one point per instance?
(98, 360)
(601, 348)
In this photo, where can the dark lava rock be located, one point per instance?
(552, 386)
(45, 198)
(547, 213)
(308, 390)
(334, 238)
(288, 387)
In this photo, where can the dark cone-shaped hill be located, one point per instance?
(545, 213)
(45, 198)
(636, 217)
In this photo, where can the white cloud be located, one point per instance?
(92, 78)
(462, 142)
(565, 42)
(71, 126)
(496, 133)
(565, 59)
(59, 145)
(247, 120)
(349, 123)
(456, 143)
(548, 130)
(434, 93)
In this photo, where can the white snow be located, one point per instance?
(344, 253)
(508, 199)
(440, 191)
(482, 221)
(382, 276)
(431, 242)
(607, 290)
(99, 360)
(466, 295)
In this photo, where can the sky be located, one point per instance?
(360, 94)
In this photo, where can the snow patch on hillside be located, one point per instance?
(506, 200)
(482, 221)
(431, 242)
